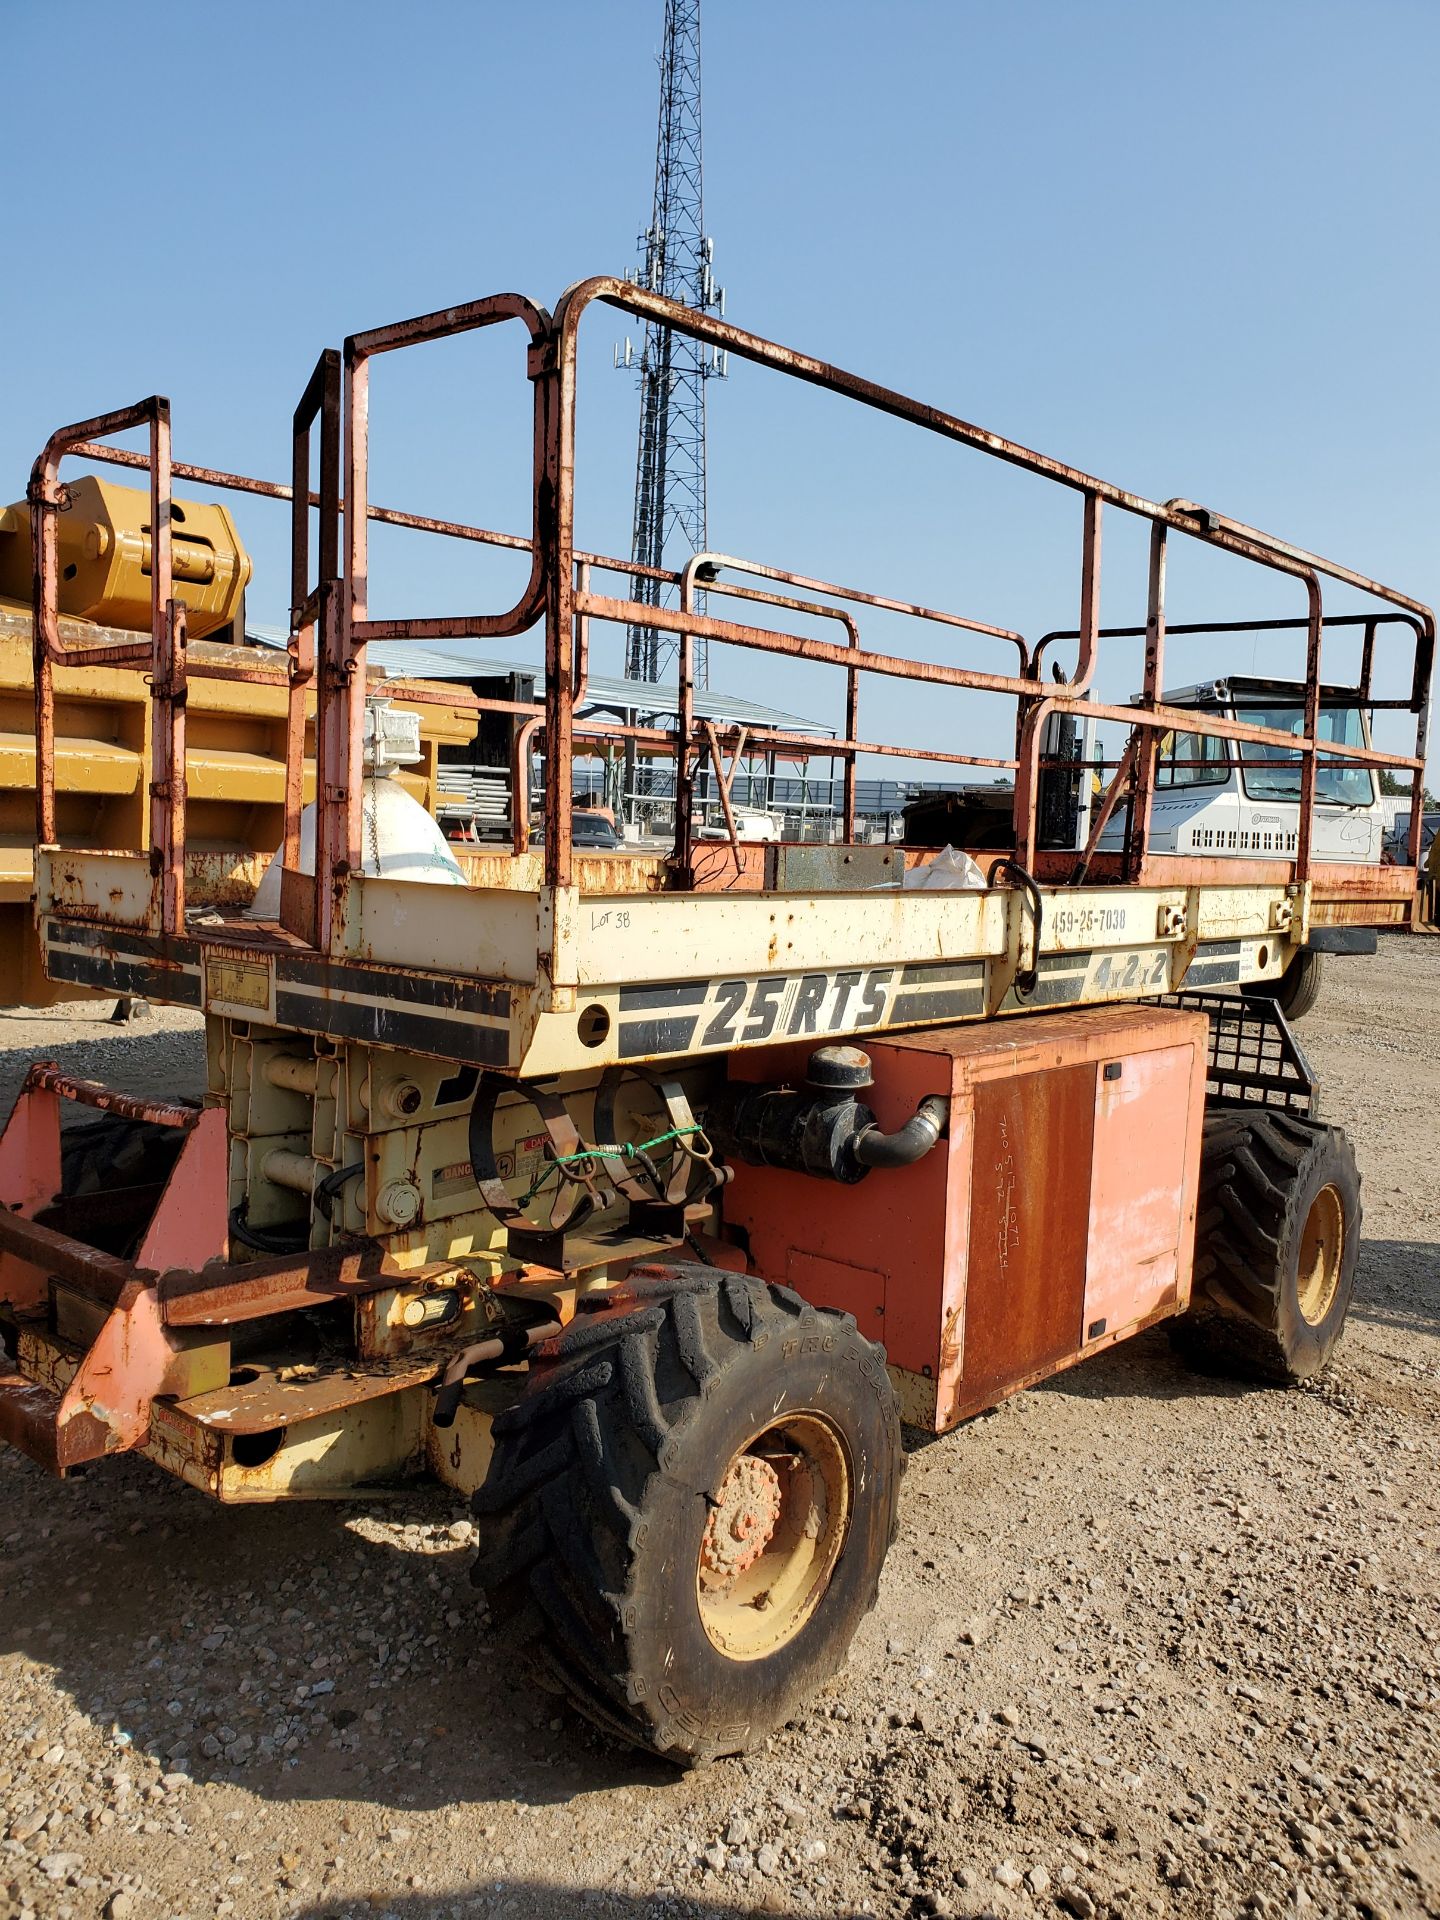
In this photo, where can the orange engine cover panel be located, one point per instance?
(1056, 1217)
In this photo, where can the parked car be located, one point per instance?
(590, 832)
(1397, 839)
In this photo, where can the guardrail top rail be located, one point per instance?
(332, 626)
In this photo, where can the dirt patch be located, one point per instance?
(1147, 1644)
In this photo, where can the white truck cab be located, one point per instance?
(1241, 800)
(1206, 802)
(751, 823)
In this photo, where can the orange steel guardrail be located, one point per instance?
(331, 627)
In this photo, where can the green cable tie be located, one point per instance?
(627, 1150)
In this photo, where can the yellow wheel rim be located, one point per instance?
(778, 1520)
(1322, 1250)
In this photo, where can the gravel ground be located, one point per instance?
(1147, 1644)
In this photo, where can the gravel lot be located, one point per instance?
(1147, 1644)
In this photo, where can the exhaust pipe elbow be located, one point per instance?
(907, 1144)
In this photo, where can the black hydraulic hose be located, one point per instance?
(659, 1185)
(1027, 978)
(327, 1191)
(260, 1240)
(908, 1143)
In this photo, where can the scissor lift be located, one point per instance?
(597, 1190)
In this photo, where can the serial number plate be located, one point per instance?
(238, 980)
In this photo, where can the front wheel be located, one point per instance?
(1297, 989)
(1276, 1249)
(687, 1513)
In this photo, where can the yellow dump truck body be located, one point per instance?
(235, 773)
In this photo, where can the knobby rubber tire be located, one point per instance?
(592, 1514)
(101, 1155)
(119, 1168)
(1261, 1171)
(1297, 989)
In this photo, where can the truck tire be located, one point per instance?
(1297, 989)
(102, 1155)
(1277, 1243)
(112, 1173)
(686, 1514)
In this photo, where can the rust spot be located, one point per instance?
(950, 1340)
(46, 1077)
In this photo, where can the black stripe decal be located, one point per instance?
(1055, 991)
(74, 933)
(680, 993)
(937, 1006)
(430, 990)
(168, 984)
(1218, 950)
(641, 1037)
(1220, 973)
(141, 946)
(928, 976)
(1076, 963)
(389, 1027)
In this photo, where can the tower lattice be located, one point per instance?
(676, 260)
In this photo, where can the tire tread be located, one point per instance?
(563, 1509)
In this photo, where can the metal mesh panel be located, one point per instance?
(1254, 1056)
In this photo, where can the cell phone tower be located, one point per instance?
(677, 260)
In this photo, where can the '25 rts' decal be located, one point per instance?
(855, 1000)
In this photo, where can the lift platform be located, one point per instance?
(555, 968)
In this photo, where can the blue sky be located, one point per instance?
(1193, 252)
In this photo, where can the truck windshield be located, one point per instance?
(1273, 773)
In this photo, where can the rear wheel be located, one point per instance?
(1297, 989)
(1277, 1243)
(112, 1174)
(97, 1156)
(686, 1515)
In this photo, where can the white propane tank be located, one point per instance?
(399, 839)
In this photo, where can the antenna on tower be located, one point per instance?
(676, 259)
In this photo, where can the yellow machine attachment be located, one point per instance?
(235, 758)
(104, 541)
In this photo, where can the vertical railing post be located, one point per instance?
(1027, 780)
(340, 689)
(555, 372)
(45, 497)
(852, 733)
(167, 772)
(684, 725)
(1420, 699)
(521, 744)
(167, 694)
(1310, 758)
(43, 509)
(1137, 837)
(301, 652)
(1089, 594)
(1027, 745)
(321, 399)
(1367, 660)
